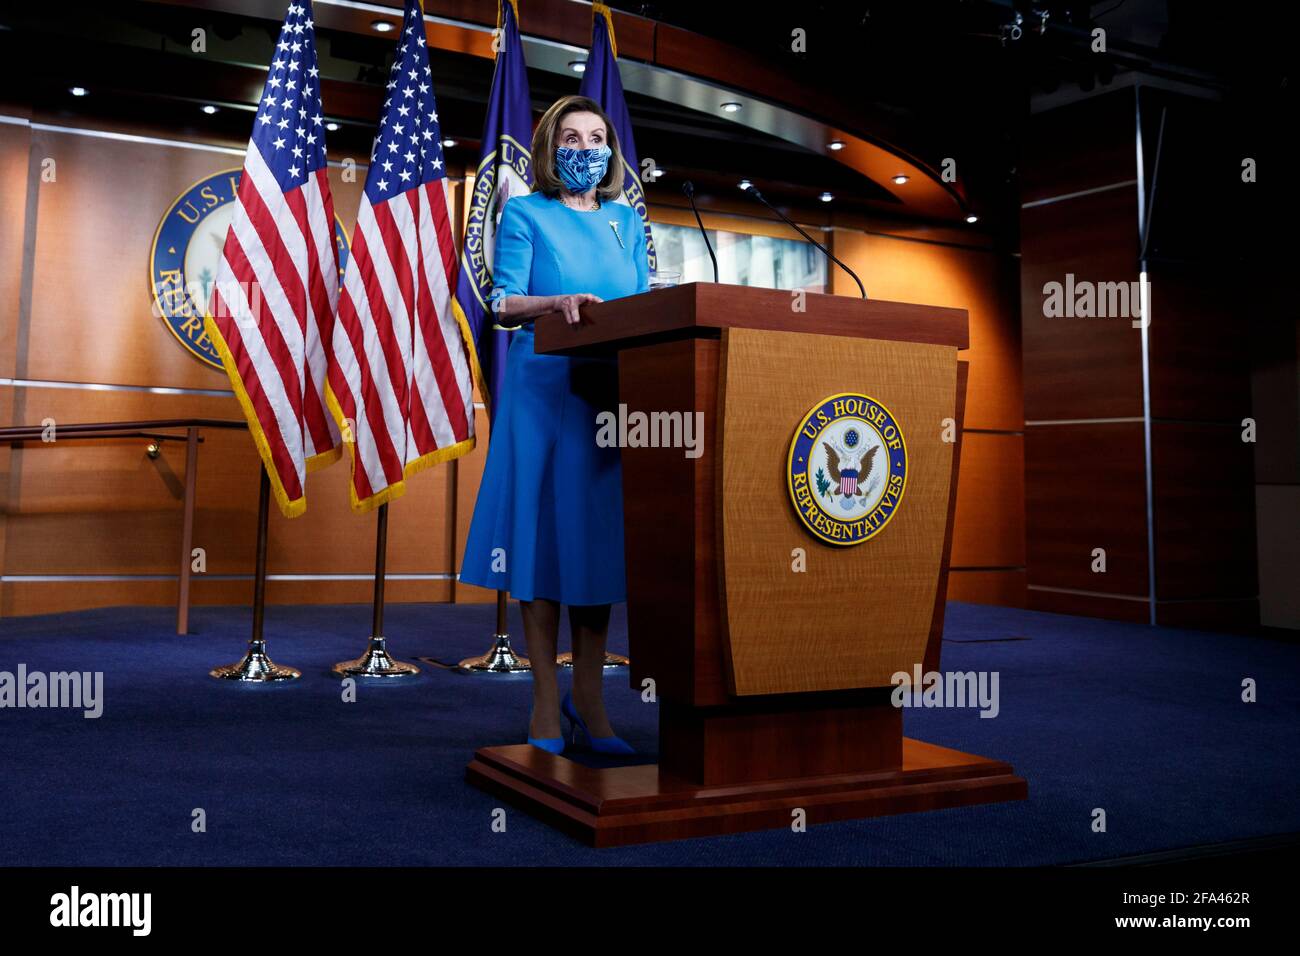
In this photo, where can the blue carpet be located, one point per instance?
(1147, 724)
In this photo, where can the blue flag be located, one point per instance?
(601, 82)
(505, 169)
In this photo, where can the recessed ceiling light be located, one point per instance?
(972, 218)
(209, 109)
(448, 143)
(900, 179)
(578, 66)
(78, 91)
(826, 197)
(382, 26)
(730, 107)
(332, 127)
(836, 144)
(658, 171)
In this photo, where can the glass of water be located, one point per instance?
(664, 280)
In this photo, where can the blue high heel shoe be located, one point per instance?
(600, 745)
(552, 745)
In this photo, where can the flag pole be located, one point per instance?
(620, 119)
(501, 659)
(256, 667)
(376, 662)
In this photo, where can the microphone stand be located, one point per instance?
(753, 191)
(688, 188)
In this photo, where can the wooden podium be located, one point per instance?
(771, 649)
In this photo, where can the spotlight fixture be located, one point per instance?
(382, 26)
(900, 179)
(826, 197)
(835, 144)
(78, 91)
(745, 184)
(209, 109)
(972, 218)
(332, 127)
(731, 107)
(658, 171)
(578, 66)
(448, 143)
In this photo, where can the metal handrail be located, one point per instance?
(107, 429)
(20, 434)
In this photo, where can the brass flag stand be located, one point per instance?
(256, 667)
(376, 662)
(501, 659)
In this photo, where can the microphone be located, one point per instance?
(753, 191)
(688, 188)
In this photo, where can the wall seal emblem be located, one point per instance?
(186, 250)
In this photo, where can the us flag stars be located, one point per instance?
(407, 151)
(288, 130)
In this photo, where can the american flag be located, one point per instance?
(399, 380)
(276, 290)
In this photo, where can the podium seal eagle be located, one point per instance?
(847, 469)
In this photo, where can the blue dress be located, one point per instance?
(551, 499)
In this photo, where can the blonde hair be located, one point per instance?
(545, 178)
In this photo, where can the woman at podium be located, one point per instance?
(548, 522)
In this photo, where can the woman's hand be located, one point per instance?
(568, 304)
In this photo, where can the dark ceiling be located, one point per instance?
(947, 73)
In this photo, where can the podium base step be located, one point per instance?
(618, 806)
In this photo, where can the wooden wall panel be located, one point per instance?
(1084, 489)
(123, 510)
(1086, 482)
(1086, 145)
(979, 281)
(15, 150)
(1200, 343)
(1240, 616)
(989, 528)
(1204, 512)
(1005, 588)
(1278, 516)
(104, 507)
(1088, 605)
(469, 474)
(94, 323)
(51, 597)
(1080, 367)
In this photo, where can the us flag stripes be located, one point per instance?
(400, 383)
(274, 298)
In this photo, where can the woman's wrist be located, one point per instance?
(524, 307)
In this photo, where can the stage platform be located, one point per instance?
(291, 774)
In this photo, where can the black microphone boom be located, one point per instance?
(753, 191)
(688, 188)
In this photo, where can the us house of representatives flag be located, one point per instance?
(602, 83)
(400, 382)
(276, 288)
(505, 169)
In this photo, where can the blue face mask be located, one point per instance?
(581, 169)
